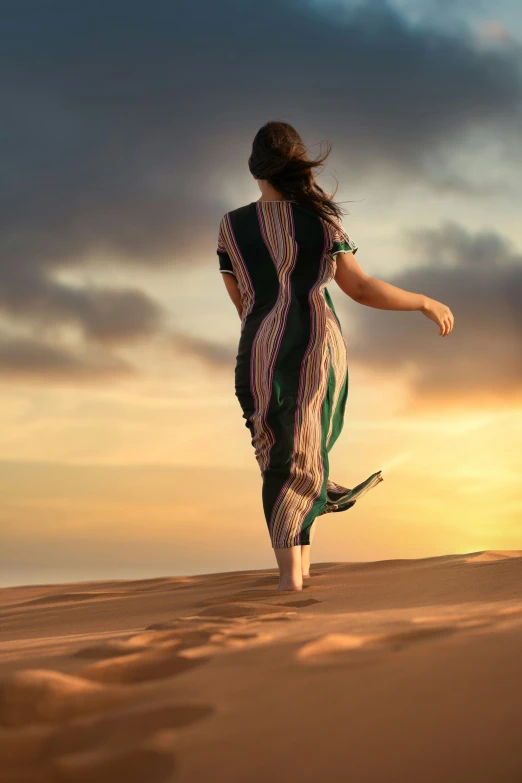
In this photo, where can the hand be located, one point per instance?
(440, 313)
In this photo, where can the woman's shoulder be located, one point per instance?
(241, 210)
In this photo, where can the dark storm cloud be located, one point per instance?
(122, 122)
(479, 276)
(29, 359)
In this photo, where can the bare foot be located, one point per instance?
(286, 586)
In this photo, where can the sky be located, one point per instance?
(125, 136)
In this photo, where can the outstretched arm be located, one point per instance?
(372, 292)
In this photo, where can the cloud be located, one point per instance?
(493, 32)
(121, 119)
(30, 359)
(452, 245)
(213, 354)
(103, 315)
(124, 123)
(479, 276)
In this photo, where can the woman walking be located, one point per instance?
(277, 256)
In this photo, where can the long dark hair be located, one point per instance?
(279, 156)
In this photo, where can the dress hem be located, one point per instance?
(347, 499)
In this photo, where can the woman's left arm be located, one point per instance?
(233, 291)
(372, 292)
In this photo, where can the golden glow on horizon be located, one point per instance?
(165, 470)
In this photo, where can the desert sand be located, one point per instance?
(407, 670)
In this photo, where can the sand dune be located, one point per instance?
(405, 669)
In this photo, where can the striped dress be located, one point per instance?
(291, 373)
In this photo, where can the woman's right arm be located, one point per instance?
(233, 291)
(372, 292)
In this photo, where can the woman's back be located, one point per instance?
(279, 250)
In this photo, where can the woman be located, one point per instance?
(277, 256)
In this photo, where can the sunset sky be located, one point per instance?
(126, 131)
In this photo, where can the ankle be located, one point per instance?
(290, 584)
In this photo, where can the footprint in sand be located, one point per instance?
(163, 626)
(111, 649)
(237, 636)
(152, 664)
(225, 641)
(153, 655)
(93, 748)
(186, 636)
(170, 639)
(60, 727)
(191, 642)
(178, 646)
(123, 727)
(341, 648)
(41, 695)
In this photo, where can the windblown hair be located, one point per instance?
(280, 157)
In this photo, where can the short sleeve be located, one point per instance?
(342, 242)
(225, 262)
